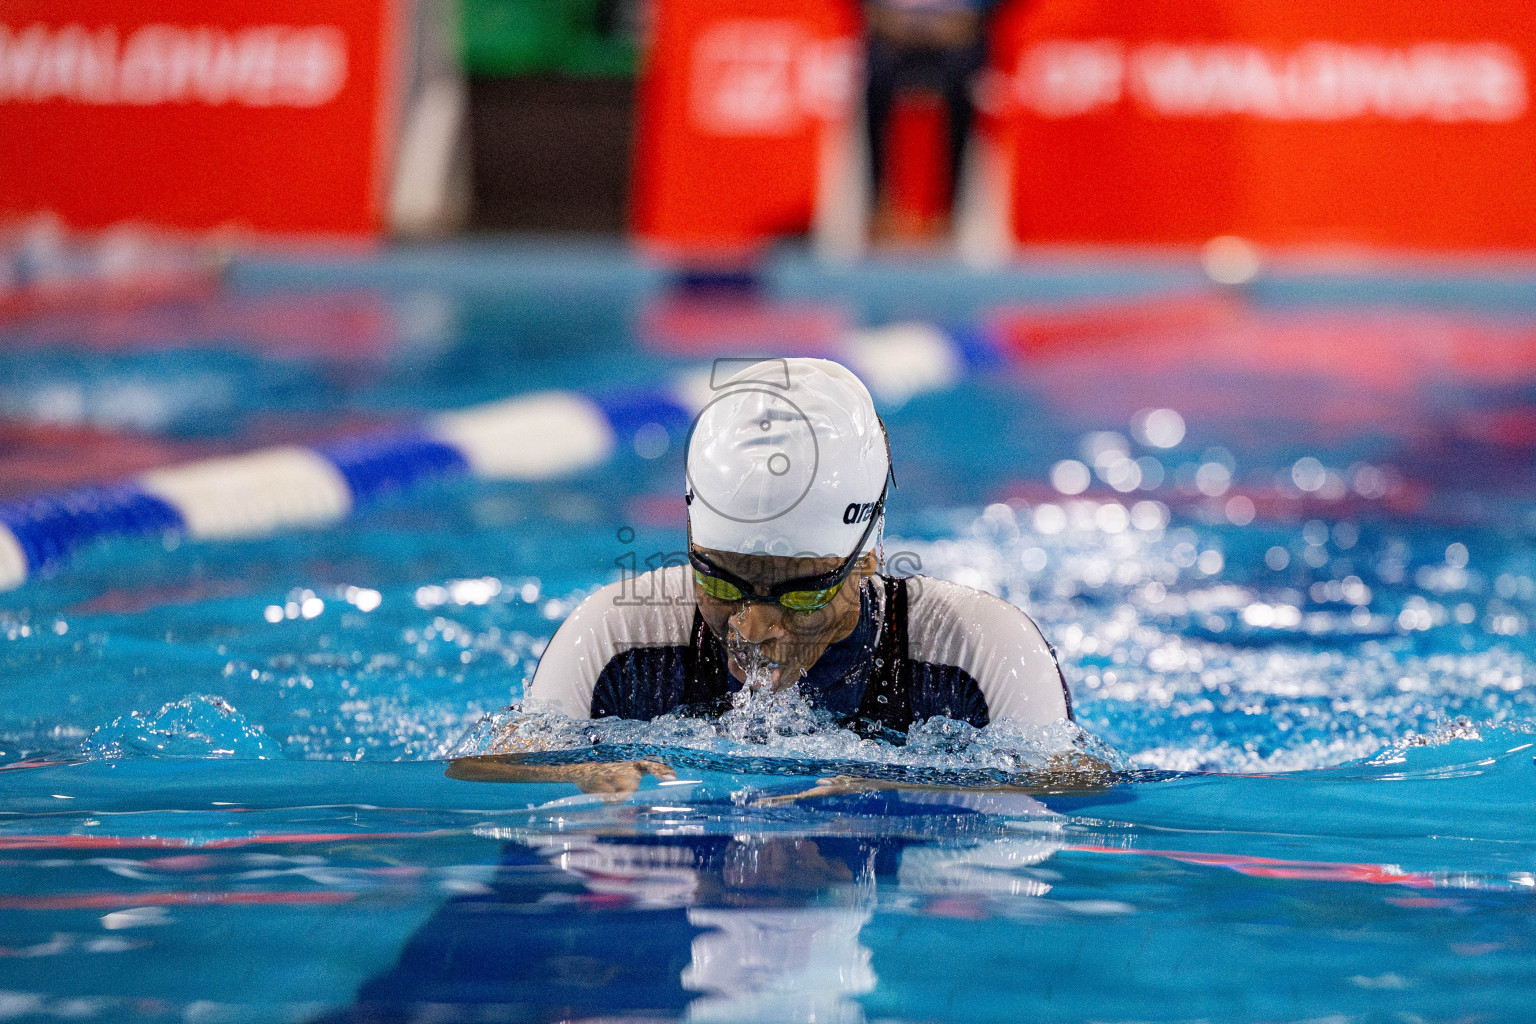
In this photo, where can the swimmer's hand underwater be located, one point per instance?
(598, 777)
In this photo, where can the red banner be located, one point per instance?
(272, 116)
(736, 101)
(1311, 122)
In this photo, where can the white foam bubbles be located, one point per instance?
(1070, 477)
(1309, 474)
(1158, 428)
(200, 725)
(1213, 479)
(1050, 519)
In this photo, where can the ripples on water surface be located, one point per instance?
(1184, 648)
(1302, 630)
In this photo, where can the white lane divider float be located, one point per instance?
(250, 495)
(529, 438)
(13, 561)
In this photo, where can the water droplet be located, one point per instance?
(883, 699)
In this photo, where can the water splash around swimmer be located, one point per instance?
(764, 708)
(760, 673)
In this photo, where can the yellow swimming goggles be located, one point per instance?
(803, 594)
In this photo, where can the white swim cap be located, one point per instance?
(788, 458)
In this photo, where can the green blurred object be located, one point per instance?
(579, 38)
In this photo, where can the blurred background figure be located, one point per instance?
(921, 62)
(552, 102)
(701, 129)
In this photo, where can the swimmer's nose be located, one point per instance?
(758, 622)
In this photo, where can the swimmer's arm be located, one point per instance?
(1074, 773)
(598, 777)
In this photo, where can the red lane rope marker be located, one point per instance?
(105, 900)
(67, 842)
(1269, 867)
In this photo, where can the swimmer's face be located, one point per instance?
(792, 640)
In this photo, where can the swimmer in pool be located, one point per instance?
(788, 472)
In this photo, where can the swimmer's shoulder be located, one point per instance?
(644, 608)
(996, 643)
(651, 610)
(932, 596)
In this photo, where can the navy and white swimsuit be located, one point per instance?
(922, 647)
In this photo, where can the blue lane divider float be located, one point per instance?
(530, 437)
(526, 438)
(47, 530)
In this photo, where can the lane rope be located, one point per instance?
(539, 436)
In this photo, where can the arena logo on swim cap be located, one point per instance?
(858, 512)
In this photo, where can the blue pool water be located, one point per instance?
(1308, 647)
